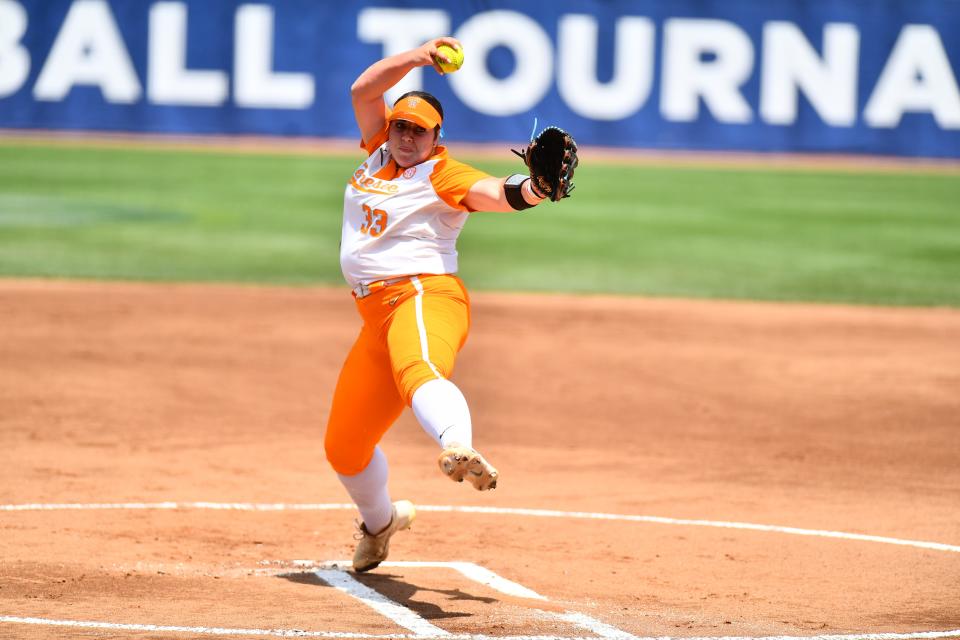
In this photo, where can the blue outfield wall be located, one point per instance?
(853, 76)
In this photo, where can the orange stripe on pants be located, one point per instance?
(412, 332)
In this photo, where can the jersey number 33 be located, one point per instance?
(375, 222)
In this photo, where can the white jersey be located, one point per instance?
(400, 222)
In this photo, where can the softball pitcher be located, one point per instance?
(403, 209)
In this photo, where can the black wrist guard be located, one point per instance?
(513, 189)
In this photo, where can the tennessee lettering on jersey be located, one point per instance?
(399, 222)
(361, 182)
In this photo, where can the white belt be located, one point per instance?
(364, 289)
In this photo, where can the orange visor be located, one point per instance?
(416, 110)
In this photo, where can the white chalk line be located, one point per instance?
(469, 570)
(591, 624)
(473, 572)
(334, 573)
(400, 615)
(296, 633)
(423, 629)
(539, 513)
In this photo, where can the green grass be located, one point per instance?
(166, 215)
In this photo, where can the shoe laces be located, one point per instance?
(361, 531)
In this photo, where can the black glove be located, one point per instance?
(551, 159)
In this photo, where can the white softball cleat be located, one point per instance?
(373, 549)
(463, 463)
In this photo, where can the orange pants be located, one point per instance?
(411, 333)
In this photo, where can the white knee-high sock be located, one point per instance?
(443, 413)
(368, 489)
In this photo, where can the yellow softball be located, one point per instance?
(455, 56)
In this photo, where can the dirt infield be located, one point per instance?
(828, 419)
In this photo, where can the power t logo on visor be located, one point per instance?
(417, 111)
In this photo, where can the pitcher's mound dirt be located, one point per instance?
(819, 417)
